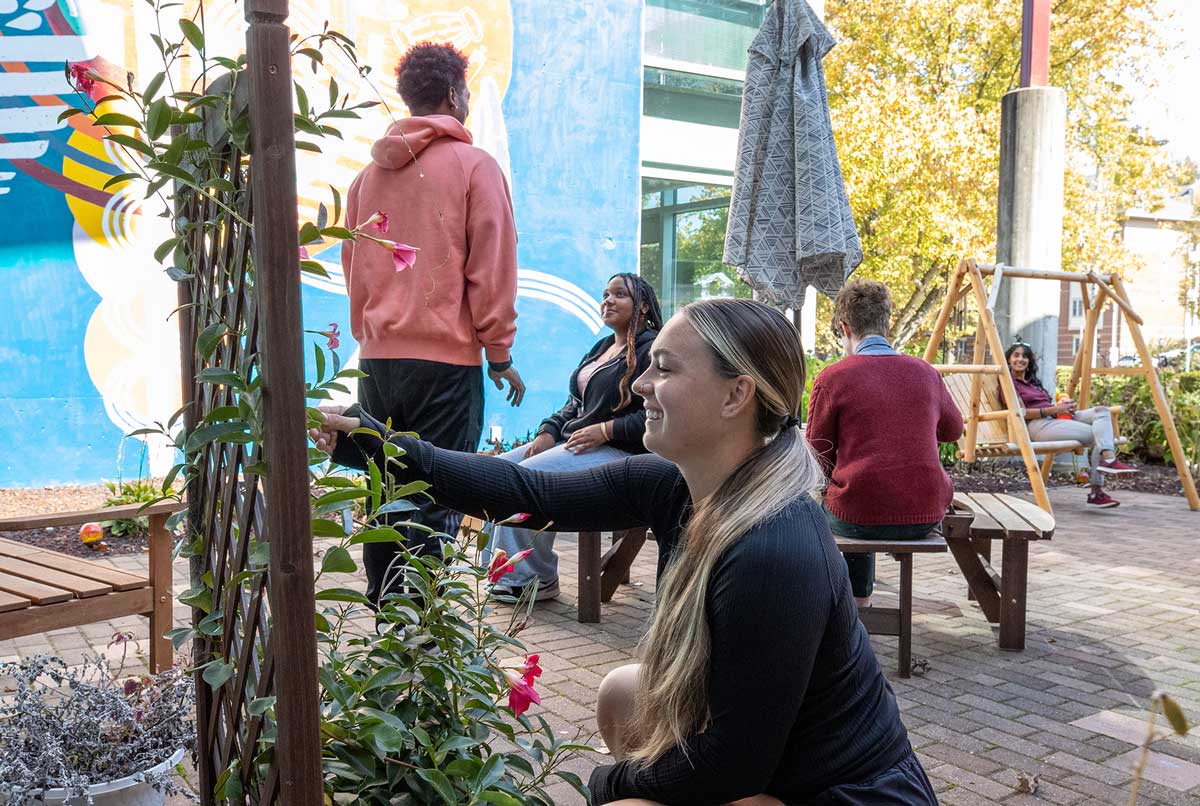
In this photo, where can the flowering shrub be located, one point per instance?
(434, 707)
(74, 727)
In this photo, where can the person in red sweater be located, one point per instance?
(422, 326)
(875, 419)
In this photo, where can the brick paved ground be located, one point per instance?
(1113, 615)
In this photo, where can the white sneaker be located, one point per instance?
(545, 592)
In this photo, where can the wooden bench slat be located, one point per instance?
(81, 586)
(1035, 516)
(76, 612)
(9, 602)
(23, 523)
(36, 592)
(983, 524)
(922, 545)
(116, 579)
(1012, 523)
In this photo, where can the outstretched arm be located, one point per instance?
(618, 495)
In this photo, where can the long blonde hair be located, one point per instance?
(745, 338)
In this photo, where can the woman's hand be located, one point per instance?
(585, 439)
(333, 422)
(542, 442)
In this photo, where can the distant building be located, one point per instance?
(1156, 290)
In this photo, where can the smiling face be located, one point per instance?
(1018, 361)
(686, 398)
(616, 307)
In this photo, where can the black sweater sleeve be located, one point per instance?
(768, 606)
(619, 495)
(553, 425)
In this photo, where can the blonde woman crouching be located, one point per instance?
(758, 686)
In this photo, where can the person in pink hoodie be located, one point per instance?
(424, 326)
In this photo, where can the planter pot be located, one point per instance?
(123, 792)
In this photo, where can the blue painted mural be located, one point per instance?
(87, 351)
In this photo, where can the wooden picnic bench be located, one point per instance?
(43, 590)
(977, 519)
(895, 621)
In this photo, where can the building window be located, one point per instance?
(711, 33)
(1074, 344)
(1076, 308)
(683, 238)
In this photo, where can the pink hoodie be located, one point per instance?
(450, 200)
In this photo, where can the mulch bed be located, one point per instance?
(1009, 477)
(65, 539)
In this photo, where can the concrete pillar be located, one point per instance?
(1033, 124)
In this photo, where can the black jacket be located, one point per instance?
(603, 393)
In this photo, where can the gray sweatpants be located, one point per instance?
(1092, 428)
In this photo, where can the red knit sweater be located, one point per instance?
(875, 421)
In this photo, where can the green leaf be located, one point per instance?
(399, 505)
(301, 99)
(334, 501)
(193, 33)
(222, 413)
(173, 171)
(313, 267)
(322, 216)
(260, 555)
(320, 360)
(383, 534)
(260, 705)
(199, 599)
(493, 771)
(304, 145)
(165, 248)
(218, 431)
(1174, 714)
(438, 780)
(222, 376)
(153, 87)
(117, 119)
(69, 113)
(209, 338)
(125, 177)
(158, 119)
(132, 143)
(337, 204)
(309, 233)
(180, 636)
(342, 595)
(340, 233)
(326, 528)
(499, 798)
(450, 745)
(338, 561)
(218, 674)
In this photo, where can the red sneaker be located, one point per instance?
(1115, 467)
(1101, 500)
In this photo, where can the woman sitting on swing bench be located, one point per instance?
(1048, 421)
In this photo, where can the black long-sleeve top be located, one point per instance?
(798, 703)
(598, 402)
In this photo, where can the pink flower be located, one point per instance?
(501, 565)
(404, 256)
(521, 693)
(81, 78)
(303, 253)
(519, 517)
(333, 336)
(382, 223)
(130, 687)
(531, 669)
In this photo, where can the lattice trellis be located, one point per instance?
(248, 497)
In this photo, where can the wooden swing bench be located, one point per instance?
(42, 590)
(994, 429)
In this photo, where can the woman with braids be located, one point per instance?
(758, 686)
(1048, 421)
(601, 421)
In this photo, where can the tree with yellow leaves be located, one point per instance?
(914, 91)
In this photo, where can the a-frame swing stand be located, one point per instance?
(993, 428)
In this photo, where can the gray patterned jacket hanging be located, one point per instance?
(789, 219)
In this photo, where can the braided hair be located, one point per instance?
(643, 296)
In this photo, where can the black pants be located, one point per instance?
(443, 403)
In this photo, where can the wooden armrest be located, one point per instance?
(23, 522)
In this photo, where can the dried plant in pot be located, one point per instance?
(82, 736)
